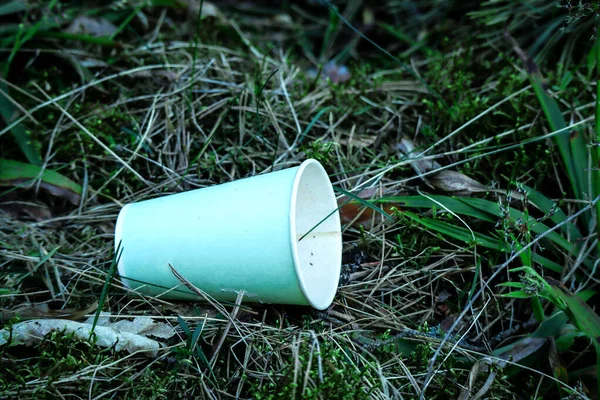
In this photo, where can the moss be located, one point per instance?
(312, 373)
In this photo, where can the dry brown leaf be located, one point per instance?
(452, 181)
(407, 148)
(523, 348)
(350, 211)
(479, 367)
(518, 351)
(358, 214)
(445, 180)
(447, 322)
(145, 326)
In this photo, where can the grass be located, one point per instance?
(444, 294)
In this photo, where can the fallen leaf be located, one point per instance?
(448, 322)
(521, 349)
(93, 26)
(513, 352)
(15, 173)
(145, 326)
(453, 181)
(407, 148)
(8, 112)
(140, 325)
(481, 366)
(350, 210)
(31, 332)
(445, 180)
(582, 315)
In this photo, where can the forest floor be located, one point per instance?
(463, 134)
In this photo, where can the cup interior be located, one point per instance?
(316, 234)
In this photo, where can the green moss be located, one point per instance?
(326, 372)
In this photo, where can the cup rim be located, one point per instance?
(325, 301)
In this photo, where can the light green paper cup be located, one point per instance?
(275, 236)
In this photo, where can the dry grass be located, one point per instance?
(166, 115)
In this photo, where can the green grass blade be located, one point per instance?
(547, 35)
(404, 37)
(12, 7)
(26, 33)
(547, 263)
(312, 122)
(517, 294)
(557, 122)
(130, 17)
(536, 227)
(571, 145)
(459, 233)
(582, 315)
(18, 174)
(576, 309)
(39, 264)
(451, 203)
(580, 157)
(111, 272)
(332, 26)
(586, 294)
(8, 111)
(597, 347)
(185, 328)
(481, 209)
(572, 149)
(364, 202)
(595, 150)
(551, 326)
(486, 211)
(557, 215)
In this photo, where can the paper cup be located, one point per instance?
(276, 236)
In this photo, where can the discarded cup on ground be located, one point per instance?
(275, 236)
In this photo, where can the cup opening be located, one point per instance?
(316, 234)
